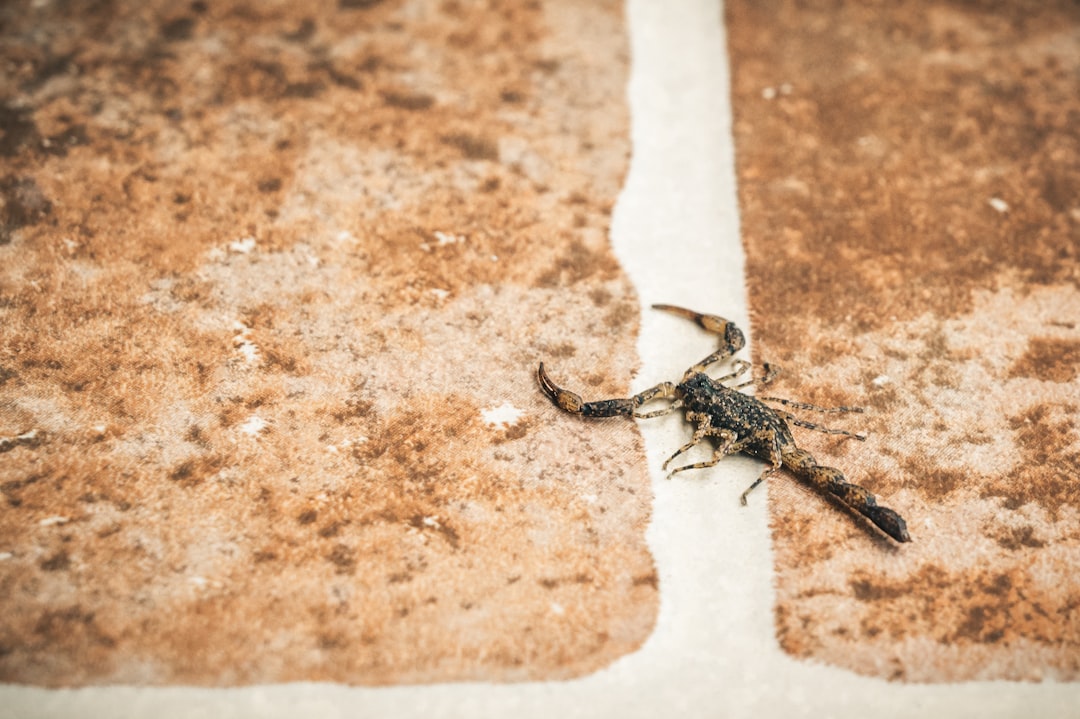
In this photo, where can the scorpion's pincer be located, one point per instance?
(566, 399)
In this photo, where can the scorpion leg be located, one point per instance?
(571, 402)
(829, 480)
(817, 427)
(813, 407)
(731, 337)
(769, 376)
(700, 432)
(776, 461)
(728, 444)
(677, 404)
(739, 369)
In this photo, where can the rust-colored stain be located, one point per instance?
(273, 282)
(910, 195)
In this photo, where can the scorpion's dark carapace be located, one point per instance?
(735, 422)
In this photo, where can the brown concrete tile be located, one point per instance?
(910, 193)
(267, 274)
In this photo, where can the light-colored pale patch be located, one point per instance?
(446, 238)
(24, 438)
(253, 425)
(243, 246)
(502, 416)
(335, 180)
(242, 341)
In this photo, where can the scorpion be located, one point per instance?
(735, 422)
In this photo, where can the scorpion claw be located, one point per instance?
(565, 399)
(570, 402)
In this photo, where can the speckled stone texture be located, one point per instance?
(274, 281)
(910, 188)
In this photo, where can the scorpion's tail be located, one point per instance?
(732, 336)
(829, 480)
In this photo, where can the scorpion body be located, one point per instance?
(735, 422)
